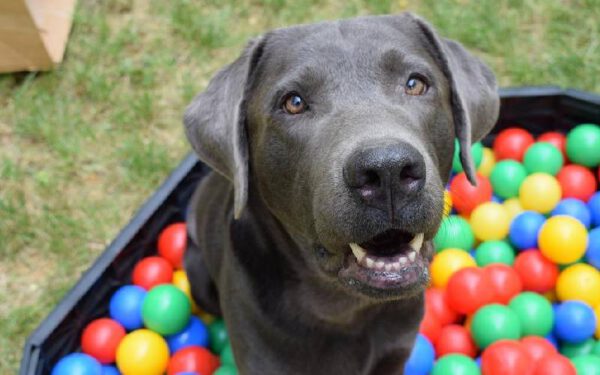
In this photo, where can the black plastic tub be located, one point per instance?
(537, 109)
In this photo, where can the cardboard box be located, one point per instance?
(33, 33)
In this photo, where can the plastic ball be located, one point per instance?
(596, 349)
(490, 252)
(506, 357)
(577, 182)
(512, 143)
(228, 370)
(557, 139)
(524, 229)
(594, 207)
(506, 178)
(218, 336)
(193, 359)
(126, 306)
(110, 370)
(422, 356)
(465, 197)
(574, 321)
(152, 271)
(436, 301)
(563, 239)
(575, 208)
(166, 309)
(455, 338)
(505, 282)
(447, 203)
(572, 350)
(488, 161)
(446, 263)
(579, 282)
(587, 364)
(537, 347)
(454, 232)
(543, 157)
(538, 273)
(540, 192)
(476, 154)
(490, 221)
(554, 364)
(101, 338)
(227, 355)
(468, 289)
(535, 313)
(172, 243)
(583, 145)
(142, 352)
(180, 280)
(79, 364)
(494, 322)
(194, 334)
(455, 364)
(513, 207)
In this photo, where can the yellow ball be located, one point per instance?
(579, 282)
(488, 161)
(447, 203)
(446, 263)
(551, 296)
(563, 239)
(513, 207)
(540, 192)
(490, 221)
(597, 312)
(142, 352)
(180, 280)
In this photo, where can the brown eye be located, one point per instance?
(294, 104)
(415, 86)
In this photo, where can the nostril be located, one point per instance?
(410, 174)
(370, 179)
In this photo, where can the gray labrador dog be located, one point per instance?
(331, 144)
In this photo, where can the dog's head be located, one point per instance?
(346, 132)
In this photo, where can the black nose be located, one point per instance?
(386, 176)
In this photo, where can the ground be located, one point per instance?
(83, 146)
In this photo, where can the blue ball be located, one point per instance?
(126, 306)
(592, 253)
(574, 322)
(77, 364)
(478, 361)
(552, 340)
(421, 358)
(194, 334)
(594, 206)
(575, 208)
(110, 370)
(497, 199)
(524, 229)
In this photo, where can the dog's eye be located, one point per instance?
(415, 86)
(294, 104)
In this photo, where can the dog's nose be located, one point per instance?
(384, 176)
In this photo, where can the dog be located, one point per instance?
(330, 146)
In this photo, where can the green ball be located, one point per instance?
(506, 178)
(575, 350)
(587, 364)
(534, 312)
(596, 349)
(227, 355)
(454, 232)
(494, 322)
(490, 252)
(476, 153)
(226, 370)
(583, 145)
(543, 157)
(218, 336)
(166, 309)
(455, 364)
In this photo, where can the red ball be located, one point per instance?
(430, 326)
(465, 197)
(512, 143)
(172, 243)
(468, 289)
(557, 139)
(436, 300)
(152, 271)
(505, 282)
(537, 272)
(101, 338)
(554, 364)
(455, 338)
(193, 359)
(537, 347)
(506, 357)
(577, 181)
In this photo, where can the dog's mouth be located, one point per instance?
(389, 263)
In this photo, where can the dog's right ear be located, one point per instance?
(215, 121)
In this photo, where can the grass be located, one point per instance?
(81, 147)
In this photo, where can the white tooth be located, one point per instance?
(396, 266)
(417, 242)
(388, 267)
(402, 260)
(412, 255)
(358, 251)
(369, 262)
(379, 264)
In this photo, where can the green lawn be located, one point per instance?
(82, 147)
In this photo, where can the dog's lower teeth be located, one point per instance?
(396, 266)
(380, 264)
(369, 263)
(358, 251)
(412, 255)
(402, 260)
(388, 267)
(417, 242)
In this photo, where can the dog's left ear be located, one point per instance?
(215, 121)
(473, 92)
